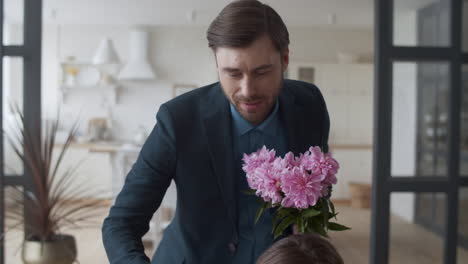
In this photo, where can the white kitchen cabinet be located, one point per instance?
(359, 119)
(348, 92)
(94, 171)
(355, 166)
(360, 79)
(333, 79)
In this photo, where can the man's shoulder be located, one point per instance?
(302, 90)
(194, 95)
(189, 103)
(297, 86)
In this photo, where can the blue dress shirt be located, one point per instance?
(254, 238)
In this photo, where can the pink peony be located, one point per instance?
(255, 159)
(318, 162)
(292, 181)
(301, 189)
(263, 171)
(267, 180)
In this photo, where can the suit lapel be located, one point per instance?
(218, 129)
(289, 116)
(298, 122)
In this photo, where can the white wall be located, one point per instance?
(323, 44)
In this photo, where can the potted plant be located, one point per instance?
(51, 199)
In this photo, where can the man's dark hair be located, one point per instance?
(241, 22)
(304, 249)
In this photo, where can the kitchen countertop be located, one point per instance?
(105, 146)
(114, 146)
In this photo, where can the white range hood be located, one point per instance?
(137, 66)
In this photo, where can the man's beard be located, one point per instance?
(253, 98)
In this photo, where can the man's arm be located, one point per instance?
(142, 193)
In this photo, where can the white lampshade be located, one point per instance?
(138, 66)
(106, 54)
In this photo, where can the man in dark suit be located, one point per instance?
(198, 142)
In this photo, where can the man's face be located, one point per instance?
(252, 77)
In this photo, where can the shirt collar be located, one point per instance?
(243, 126)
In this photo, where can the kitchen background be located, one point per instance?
(339, 56)
(87, 43)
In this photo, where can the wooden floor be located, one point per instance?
(409, 243)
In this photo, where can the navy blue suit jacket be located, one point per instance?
(191, 144)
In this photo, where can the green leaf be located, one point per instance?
(249, 192)
(300, 225)
(337, 227)
(310, 213)
(330, 216)
(325, 214)
(260, 211)
(279, 215)
(332, 206)
(284, 224)
(317, 227)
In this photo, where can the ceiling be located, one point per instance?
(330, 13)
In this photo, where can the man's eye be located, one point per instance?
(234, 74)
(262, 72)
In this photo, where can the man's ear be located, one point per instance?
(285, 59)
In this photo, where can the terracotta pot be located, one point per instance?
(62, 250)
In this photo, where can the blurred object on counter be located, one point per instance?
(98, 129)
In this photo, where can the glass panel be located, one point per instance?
(416, 228)
(462, 254)
(14, 215)
(13, 22)
(464, 124)
(421, 23)
(12, 94)
(419, 122)
(465, 26)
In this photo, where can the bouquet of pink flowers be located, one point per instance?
(299, 186)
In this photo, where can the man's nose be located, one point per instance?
(247, 87)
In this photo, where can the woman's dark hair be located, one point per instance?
(242, 22)
(303, 249)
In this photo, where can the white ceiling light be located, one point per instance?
(106, 54)
(138, 66)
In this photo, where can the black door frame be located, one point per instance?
(383, 182)
(31, 52)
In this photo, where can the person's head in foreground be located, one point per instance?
(301, 249)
